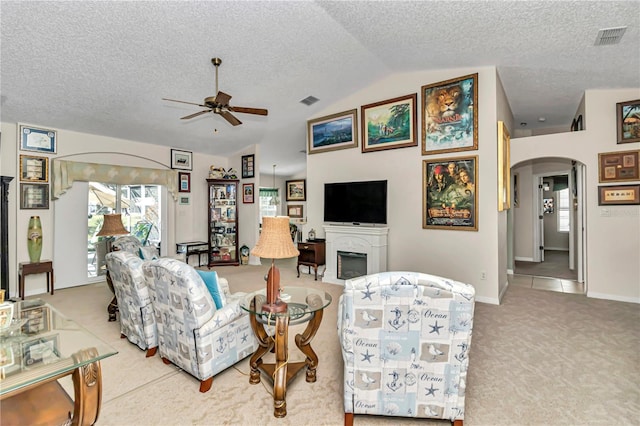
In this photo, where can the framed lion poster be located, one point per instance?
(450, 115)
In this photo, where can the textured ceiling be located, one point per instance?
(102, 67)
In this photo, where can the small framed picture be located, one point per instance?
(40, 350)
(34, 169)
(547, 205)
(6, 315)
(34, 196)
(628, 121)
(295, 211)
(38, 319)
(184, 200)
(181, 159)
(296, 190)
(184, 179)
(248, 170)
(618, 166)
(6, 357)
(247, 193)
(37, 139)
(619, 195)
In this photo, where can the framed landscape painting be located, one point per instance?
(389, 124)
(333, 132)
(628, 121)
(450, 115)
(450, 193)
(296, 190)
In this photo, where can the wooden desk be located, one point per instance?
(27, 268)
(311, 254)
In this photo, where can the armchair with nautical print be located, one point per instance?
(405, 339)
(192, 333)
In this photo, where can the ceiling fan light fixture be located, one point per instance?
(309, 100)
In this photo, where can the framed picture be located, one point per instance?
(628, 121)
(504, 167)
(38, 319)
(618, 166)
(450, 194)
(547, 205)
(184, 200)
(389, 124)
(247, 193)
(40, 350)
(181, 159)
(184, 179)
(248, 170)
(295, 211)
(6, 315)
(296, 190)
(37, 139)
(450, 115)
(620, 195)
(34, 169)
(34, 196)
(336, 131)
(6, 357)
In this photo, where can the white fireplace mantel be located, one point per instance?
(371, 241)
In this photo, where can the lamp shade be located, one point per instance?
(275, 239)
(112, 225)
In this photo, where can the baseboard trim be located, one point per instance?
(524, 259)
(489, 300)
(613, 297)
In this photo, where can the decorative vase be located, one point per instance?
(34, 239)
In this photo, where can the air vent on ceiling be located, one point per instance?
(610, 36)
(309, 100)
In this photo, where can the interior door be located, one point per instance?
(540, 211)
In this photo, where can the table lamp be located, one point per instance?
(274, 243)
(111, 226)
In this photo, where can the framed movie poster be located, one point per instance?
(450, 115)
(450, 193)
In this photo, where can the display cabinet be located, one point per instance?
(223, 222)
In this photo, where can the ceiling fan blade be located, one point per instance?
(230, 118)
(222, 98)
(257, 111)
(183, 102)
(186, 117)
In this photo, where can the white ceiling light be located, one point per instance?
(608, 36)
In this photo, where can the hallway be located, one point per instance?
(552, 275)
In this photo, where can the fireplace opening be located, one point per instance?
(351, 265)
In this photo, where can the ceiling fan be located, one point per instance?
(220, 104)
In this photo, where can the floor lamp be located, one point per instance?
(275, 243)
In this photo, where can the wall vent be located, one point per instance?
(609, 36)
(309, 100)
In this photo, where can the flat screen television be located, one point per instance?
(356, 202)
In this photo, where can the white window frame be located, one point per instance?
(563, 211)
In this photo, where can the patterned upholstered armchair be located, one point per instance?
(127, 243)
(137, 322)
(192, 333)
(405, 340)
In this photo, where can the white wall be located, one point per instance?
(184, 223)
(613, 242)
(460, 255)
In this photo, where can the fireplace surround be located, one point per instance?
(363, 240)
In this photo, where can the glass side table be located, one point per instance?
(38, 347)
(304, 305)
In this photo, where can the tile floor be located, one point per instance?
(544, 283)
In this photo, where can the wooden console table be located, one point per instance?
(303, 305)
(311, 254)
(27, 268)
(52, 349)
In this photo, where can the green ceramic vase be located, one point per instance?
(34, 239)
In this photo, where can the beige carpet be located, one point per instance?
(540, 358)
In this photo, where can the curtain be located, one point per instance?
(560, 182)
(67, 172)
(268, 192)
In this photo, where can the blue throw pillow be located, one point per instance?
(210, 279)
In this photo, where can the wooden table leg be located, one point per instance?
(265, 343)
(87, 385)
(280, 373)
(303, 342)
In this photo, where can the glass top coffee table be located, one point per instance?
(38, 346)
(303, 305)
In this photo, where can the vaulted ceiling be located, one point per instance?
(103, 67)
